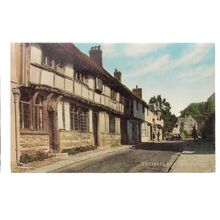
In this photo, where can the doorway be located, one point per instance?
(95, 128)
(53, 130)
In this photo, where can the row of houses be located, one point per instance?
(62, 98)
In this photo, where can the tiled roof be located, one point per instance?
(87, 63)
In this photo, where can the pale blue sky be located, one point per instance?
(181, 73)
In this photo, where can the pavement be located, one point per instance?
(198, 157)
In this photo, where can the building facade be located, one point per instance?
(187, 123)
(152, 127)
(62, 98)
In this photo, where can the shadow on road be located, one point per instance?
(176, 146)
(188, 146)
(200, 147)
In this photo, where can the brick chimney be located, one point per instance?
(138, 92)
(117, 75)
(95, 54)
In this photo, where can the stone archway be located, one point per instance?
(52, 102)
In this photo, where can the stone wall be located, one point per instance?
(34, 142)
(69, 139)
(107, 140)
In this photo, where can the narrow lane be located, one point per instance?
(130, 160)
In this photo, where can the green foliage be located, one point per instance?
(170, 119)
(75, 150)
(30, 156)
(203, 112)
(199, 110)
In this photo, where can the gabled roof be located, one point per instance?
(85, 62)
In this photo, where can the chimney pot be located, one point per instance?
(138, 92)
(117, 75)
(95, 54)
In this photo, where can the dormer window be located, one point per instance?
(81, 77)
(56, 64)
(60, 66)
(113, 95)
(98, 84)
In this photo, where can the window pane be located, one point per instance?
(111, 124)
(84, 120)
(24, 115)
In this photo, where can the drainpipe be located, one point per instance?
(16, 93)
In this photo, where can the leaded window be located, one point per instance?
(39, 113)
(84, 120)
(79, 118)
(111, 124)
(25, 111)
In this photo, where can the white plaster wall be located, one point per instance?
(118, 125)
(69, 85)
(77, 88)
(69, 70)
(91, 82)
(91, 95)
(102, 100)
(102, 122)
(59, 82)
(34, 74)
(36, 54)
(117, 97)
(97, 97)
(106, 123)
(67, 115)
(47, 78)
(107, 101)
(59, 115)
(107, 91)
(85, 92)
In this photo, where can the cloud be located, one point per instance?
(130, 50)
(109, 50)
(153, 65)
(193, 56)
(142, 49)
(165, 63)
(199, 72)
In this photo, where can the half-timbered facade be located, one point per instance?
(62, 98)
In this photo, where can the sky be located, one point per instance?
(183, 73)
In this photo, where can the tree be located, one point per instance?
(199, 110)
(170, 119)
(204, 113)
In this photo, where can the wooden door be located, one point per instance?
(95, 128)
(53, 130)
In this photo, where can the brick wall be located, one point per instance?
(34, 142)
(69, 139)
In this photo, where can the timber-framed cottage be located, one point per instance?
(62, 98)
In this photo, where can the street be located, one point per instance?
(151, 157)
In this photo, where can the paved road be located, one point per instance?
(148, 158)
